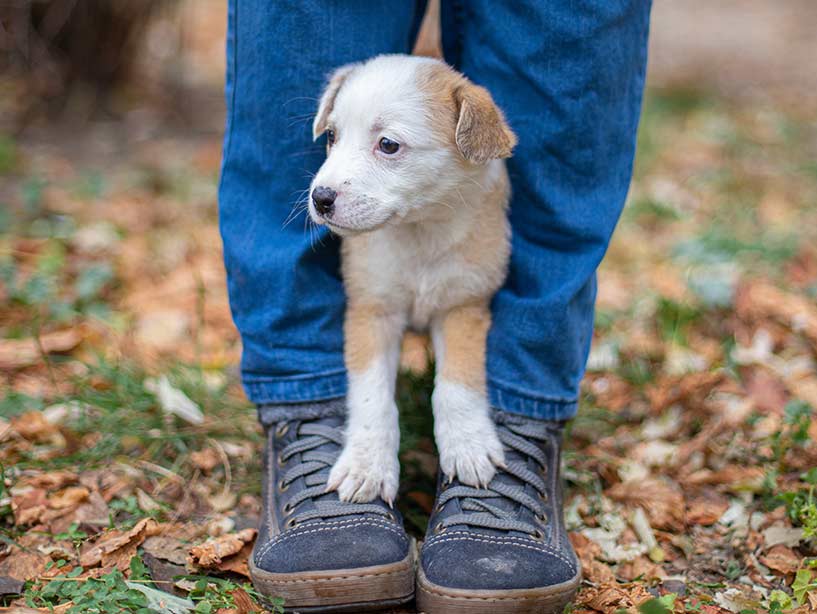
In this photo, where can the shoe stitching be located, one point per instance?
(547, 598)
(336, 578)
(504, 543)
(340, 525)
(497, 539)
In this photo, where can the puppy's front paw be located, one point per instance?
(469, 447)
(471, 458)
(364, 472)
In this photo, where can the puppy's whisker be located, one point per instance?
(299, 208)
(300, 98)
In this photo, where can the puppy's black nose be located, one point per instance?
(324, 199)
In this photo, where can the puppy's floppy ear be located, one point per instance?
(336, 80)
(482, 133)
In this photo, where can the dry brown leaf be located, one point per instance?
(706, 509)
(243, 602)
(106, 549)
(206, 459)
(166, 548)
(33, 426)
(239, 563)
(782, 559)
(641, 567)
(767, 391)
(213, 551)
(69, 497)
(23, 564)
(19, 353)
(732, 478)
(588, 552)
(49, 480)
(660, 499)
(28, 507)
(760, 300)
(612, 597)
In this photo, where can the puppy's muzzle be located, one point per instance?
(324, 199)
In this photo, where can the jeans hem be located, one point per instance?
(302, 389)
(543, 408)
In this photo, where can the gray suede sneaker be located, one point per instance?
(313, 550)
(503, 548)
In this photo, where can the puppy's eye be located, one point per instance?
(330, 137)
(387, 146)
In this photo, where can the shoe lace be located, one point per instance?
(492, 507)
(319, 446)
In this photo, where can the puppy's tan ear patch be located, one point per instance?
(328, 98)
(482, 133)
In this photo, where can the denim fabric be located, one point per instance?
(569, 77)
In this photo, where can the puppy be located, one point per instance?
(415, 184)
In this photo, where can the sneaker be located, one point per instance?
(503, 548)
(316, 552)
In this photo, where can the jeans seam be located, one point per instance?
(264, 379)
(529, 394)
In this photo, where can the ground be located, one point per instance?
(130, 457)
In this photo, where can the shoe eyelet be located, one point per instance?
(282, 487)
(543, 518)
(287, 509)
(281, 461)
(392, 516)
(538, 535)
(282, 429)
(290, 523)
(439, 508)
(439, 528)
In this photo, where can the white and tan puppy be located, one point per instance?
(415, 184)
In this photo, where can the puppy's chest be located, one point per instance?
(415, 280)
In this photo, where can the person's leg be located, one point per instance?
(283, 278)
(287, 298)
(569, 77)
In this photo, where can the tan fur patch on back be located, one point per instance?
(464, 332)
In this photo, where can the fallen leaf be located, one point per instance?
(69, 497)
(593, 570)
(166, 548)
(29, 506)
(661, 500)
(782, 559)
(213, 551)
(243, 602)
(107, 548)
(611, 597)
(206, 459)
(174, 401)
(33, 426)
(780, 534)
(20, 353)
(10, 586)
(706, 509)
(23, 564)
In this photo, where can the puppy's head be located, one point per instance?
(402, 134)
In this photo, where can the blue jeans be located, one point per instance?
(569, 76)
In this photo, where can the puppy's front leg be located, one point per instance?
(463, 427)
(368, 466)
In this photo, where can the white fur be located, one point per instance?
(465, 433)
(368, 466)
(415, 209)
